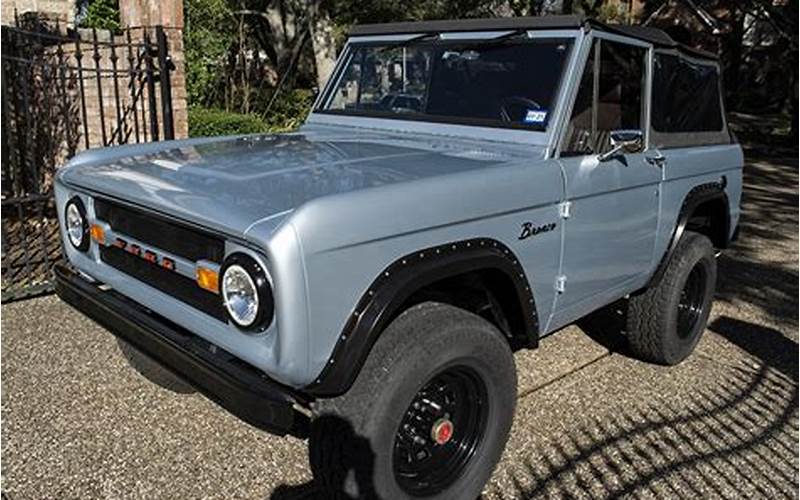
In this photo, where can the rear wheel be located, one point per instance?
(428, 415)
(666, 321)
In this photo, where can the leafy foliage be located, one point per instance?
(290, 109)
(207, 38)
(239, 53)
(287, 113)
(205, 122)
(102, 14)
(612, 13)
(380, 11)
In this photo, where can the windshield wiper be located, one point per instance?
(420, 38)
(520, 33)
(509, 36)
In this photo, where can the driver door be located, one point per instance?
(613, 203)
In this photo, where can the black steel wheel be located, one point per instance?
(440, 431)
(665, 321)
(692, 301)
(428, 415)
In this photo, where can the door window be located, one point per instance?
(610, 97)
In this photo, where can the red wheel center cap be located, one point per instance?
(442, 431)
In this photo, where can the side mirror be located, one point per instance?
(623, 141)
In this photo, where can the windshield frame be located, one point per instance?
(377, 119)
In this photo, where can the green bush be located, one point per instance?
(205, 122)
(290, 109)
(103, 15)
(207, 37)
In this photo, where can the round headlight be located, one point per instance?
(246, 292)
(76, 225)
(240, 295)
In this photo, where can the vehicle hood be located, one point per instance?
(231, 183)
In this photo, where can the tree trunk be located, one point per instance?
(324, 45)
(732, 53)
(282, 25)
(793, 94)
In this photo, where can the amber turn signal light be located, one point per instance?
(98, 233)
(207, 279)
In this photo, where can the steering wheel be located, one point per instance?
(518, 101)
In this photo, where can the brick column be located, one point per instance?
(168, 13)
(134, 13)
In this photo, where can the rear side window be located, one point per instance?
(685, 96)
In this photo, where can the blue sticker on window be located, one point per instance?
(535, 116)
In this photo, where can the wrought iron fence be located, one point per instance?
(63, 91)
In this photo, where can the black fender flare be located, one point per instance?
(698, 195)
(396, 283)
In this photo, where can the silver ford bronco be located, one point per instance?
(460, 190)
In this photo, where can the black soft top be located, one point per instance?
(655, 36)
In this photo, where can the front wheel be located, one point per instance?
(666, 321)
(427, 417)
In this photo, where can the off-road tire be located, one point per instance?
(652, 324)
(152, 371)
(352, 437)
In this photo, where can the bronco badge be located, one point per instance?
(528, 229)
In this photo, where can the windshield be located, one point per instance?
(508, 83)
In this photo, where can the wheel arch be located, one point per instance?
(478, 264)
(708, 202)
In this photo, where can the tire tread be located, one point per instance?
(647, 315)
(331, 446)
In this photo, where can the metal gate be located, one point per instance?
(63, 91)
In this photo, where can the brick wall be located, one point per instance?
(123, 97)
(134, 15)
(62, 95)
(167, 13)
(180, 107)
(63, 10)
(151, 13)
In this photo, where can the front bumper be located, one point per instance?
(226, 380)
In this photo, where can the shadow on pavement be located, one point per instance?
(739, 436)
(767, 344)
(761, 268)
(347, 472)
(607, 327)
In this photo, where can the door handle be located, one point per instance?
(658, 160)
